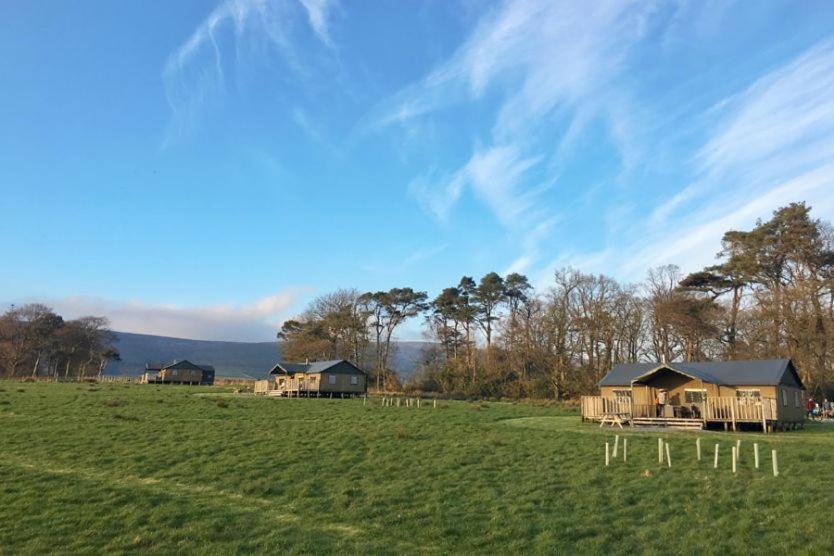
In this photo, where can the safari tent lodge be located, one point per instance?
(337, 378)
(178, 372)
(758, 394)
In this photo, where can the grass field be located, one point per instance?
(129, 468)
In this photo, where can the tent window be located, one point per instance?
(331, 379)
(622, 393)
(694, 396)
(748, 393)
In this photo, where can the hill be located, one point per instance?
(230, 359)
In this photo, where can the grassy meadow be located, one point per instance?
(129, 468)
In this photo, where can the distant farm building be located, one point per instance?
(178, 372)
(320, 378)
(764, 394)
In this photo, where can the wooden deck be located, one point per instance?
(730, 411)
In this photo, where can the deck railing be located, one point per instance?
(723, 409)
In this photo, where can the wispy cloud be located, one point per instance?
(256, 321)
(554, 66)
(770, 144)
(234, 35)
(318, 12)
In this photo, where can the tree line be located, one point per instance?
(36, 341)
(769, 295)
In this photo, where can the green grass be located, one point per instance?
(129, 468)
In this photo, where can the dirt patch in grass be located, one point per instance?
(114, 402)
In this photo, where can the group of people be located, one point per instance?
(820, 411)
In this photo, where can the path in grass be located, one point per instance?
(119, 467)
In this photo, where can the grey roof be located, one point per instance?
(186, 364)
(314, 367)
(757, 372)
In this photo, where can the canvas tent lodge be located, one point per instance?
(314, 379)
(178, 372)
(760, 394)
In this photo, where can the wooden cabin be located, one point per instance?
(762, 394)
(178, 372)
(338, 378)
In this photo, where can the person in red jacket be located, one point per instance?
(809, 407)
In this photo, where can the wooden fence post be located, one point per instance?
(668, 459)
(659, 450)
(616, 445)
(606, 454)
(734, 459)
(435, 404)
(715, 463)
(625, 449)
(698, 448)
(738, 449)
(756, 454)
(775, 463)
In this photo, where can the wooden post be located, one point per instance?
(698, 448)
(659, 450)
(625, 449)
(364, 401)
(616, 445)
(715, 463)
(435, 404)
(756, 454)
(733, 412)
(606, 454)
(668, 459)
(734, 459)
(775, 464)
(764, 417)
(738, 448)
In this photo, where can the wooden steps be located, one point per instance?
(669, 422)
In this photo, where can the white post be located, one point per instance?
(625, 449)
(435, 404)
(659, 450)
(364, 401)
(775, 464)
(756, 454)
(734, 459)
(606, 454)
(698, 448)
(616, 445)
(715, 464)
(668, 459)
(738, 449)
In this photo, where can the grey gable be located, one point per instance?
(336, 365)
(764, 372)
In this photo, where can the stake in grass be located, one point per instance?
(698, 448)
(756, 454)
(616, 445)
(775, 463)
(625, 449)
(735, 455)
(715, 463)
(659, 450)
(668, 459)
(606, 454)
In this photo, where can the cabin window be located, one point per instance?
(312, 378)
(354, 380)
(691, 395)
(331, 379)
(748, 393)
(784, 397)
(622, 393)
(281, 381)
(797, 399)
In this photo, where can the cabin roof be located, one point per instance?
(184, 364)
(283, 367)
(754, 372)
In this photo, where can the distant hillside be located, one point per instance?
(230, 359)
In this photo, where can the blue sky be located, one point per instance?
(202, 169)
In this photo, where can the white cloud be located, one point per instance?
(771, 145)
(555, 67)
(256, 321)
(318, 12)
(194, 73)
